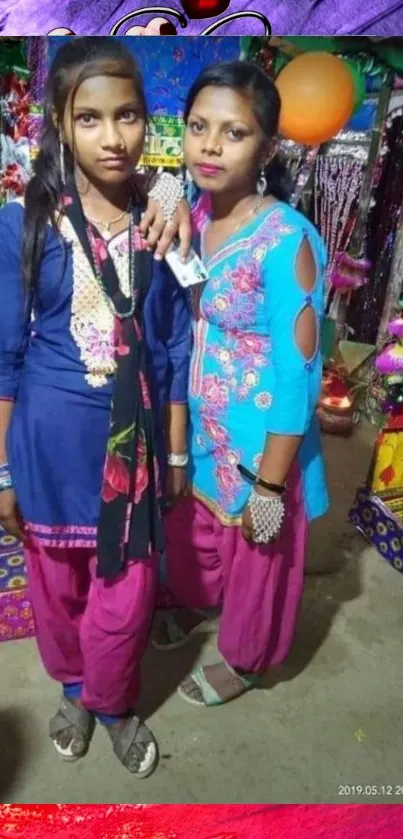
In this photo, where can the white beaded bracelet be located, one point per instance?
(168, 191)
(267, 514)
(178, 460)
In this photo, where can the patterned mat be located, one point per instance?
(16, 619)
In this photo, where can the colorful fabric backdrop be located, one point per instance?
(169, 66)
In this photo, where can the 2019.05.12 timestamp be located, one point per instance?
(370, 790)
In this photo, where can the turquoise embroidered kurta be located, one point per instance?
(248, 376)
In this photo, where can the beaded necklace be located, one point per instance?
(129, 312)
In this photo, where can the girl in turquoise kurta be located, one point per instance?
(256, 476)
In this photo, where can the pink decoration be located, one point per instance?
(346, 282)
(349, 273)
(351, 262)
(390, 360)
(395, 327)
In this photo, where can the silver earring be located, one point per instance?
(261, 185)
(62, 162)
(188, 177)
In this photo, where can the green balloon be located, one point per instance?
(359, 84)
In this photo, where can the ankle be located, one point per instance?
(112, 719)
(73, 691)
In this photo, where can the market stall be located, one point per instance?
(351, 184)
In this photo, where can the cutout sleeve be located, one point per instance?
(294, 289)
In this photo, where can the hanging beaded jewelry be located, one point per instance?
(337, 187)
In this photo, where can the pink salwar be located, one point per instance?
(90, 630)
(258, 588)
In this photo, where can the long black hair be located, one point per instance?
(244, 76)
(77, 60)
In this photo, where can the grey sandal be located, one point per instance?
(173, 637)
(71, 716)
(134, 733)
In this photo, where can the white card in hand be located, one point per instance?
(187, 273)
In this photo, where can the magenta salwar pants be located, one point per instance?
(258, 588)
(90, 630)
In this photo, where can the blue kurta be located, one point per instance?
(58, 367)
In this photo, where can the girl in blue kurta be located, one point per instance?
(238, 541)
(94, 346)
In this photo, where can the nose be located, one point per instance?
(211, 143)
(111, 136)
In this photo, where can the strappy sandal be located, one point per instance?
(72, 716)
(134, 733)
(210, 696)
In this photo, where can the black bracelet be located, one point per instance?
(255, 479)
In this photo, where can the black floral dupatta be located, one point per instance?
(130, 521)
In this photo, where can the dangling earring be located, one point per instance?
(188, 177)
(62, 161)
(261, 185)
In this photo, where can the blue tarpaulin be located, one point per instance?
(170, 65)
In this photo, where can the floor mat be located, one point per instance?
(16, 619)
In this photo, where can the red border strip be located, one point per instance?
(222, 821)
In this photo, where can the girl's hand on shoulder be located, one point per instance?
(10, 518)
(160, 235)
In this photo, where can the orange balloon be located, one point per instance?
(317, 97)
